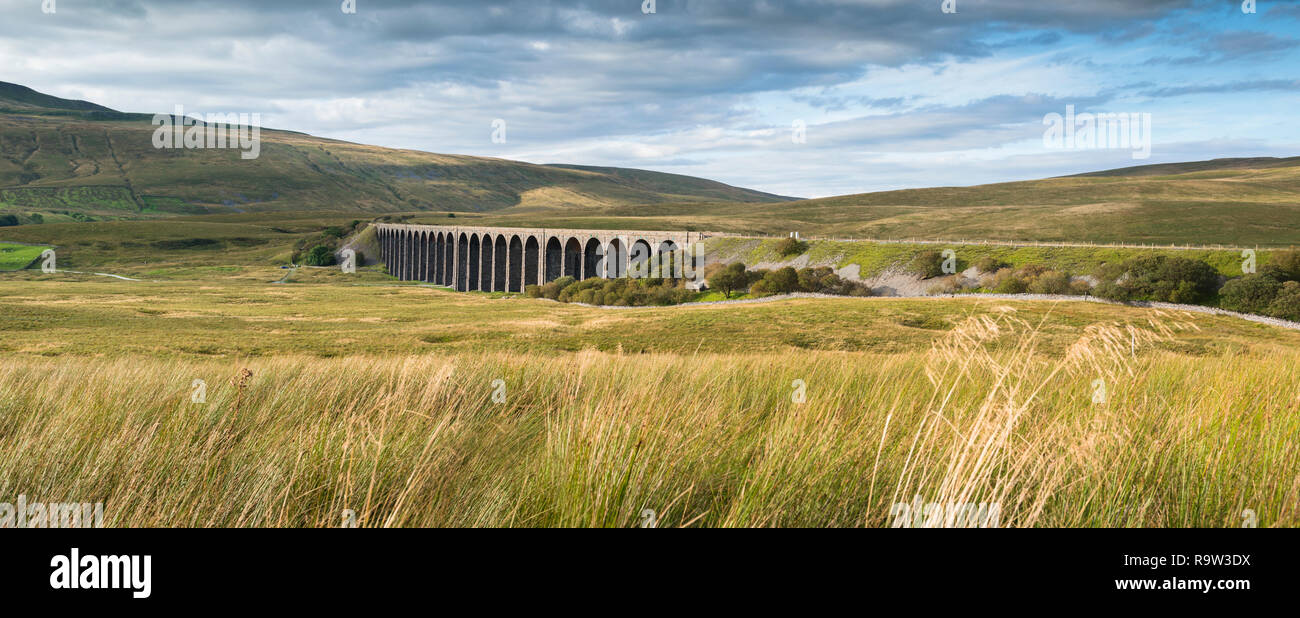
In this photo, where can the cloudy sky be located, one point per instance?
(893, 93)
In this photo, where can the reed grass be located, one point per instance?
(595, 438)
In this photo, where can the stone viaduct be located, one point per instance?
(505, 259)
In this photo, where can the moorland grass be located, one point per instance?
(326, 313)
(594, 438)
(378, 398)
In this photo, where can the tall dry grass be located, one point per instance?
(593, 439)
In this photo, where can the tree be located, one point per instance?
(320, 255)
(1286, 304)
(1159, 278)
(781, 281)
(730, 279)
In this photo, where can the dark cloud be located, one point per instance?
(698, 86)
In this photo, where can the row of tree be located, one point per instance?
(622, 292)
(734, 277)
(1273, 291)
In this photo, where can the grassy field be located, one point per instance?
(325, 313)
(1224, 204)
(325, 393)
(15, 257)
(254, 245)
(380, 399)
(198, 247)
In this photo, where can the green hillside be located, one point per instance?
(1225, 204)
(1167, 169)
(1229, 201)
(65, 158)
(17, 97)
(64, 161)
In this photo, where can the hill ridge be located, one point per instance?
(23, 96)
(78, 158)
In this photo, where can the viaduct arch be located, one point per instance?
(508, 259)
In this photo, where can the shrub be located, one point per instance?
(791, 246)
(945, 285)
(8, 220)
(1286, 304)
(990, 264)
(817, 280)
(1111, 290)
(1008, 283)
(1051, 282)
(1182, 292)
(553, 289)
(320, 255)
(927, 264)
(576, 291)
(823, 280)
(1159, 278)
(781, 281)
(856, 288)
(1252, 293)
(1283, 265)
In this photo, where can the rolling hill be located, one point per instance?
(1226, 201)
(62, 157)
(15, 98)
(69, 160)
(1230, 201)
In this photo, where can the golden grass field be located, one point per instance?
(379, 399)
